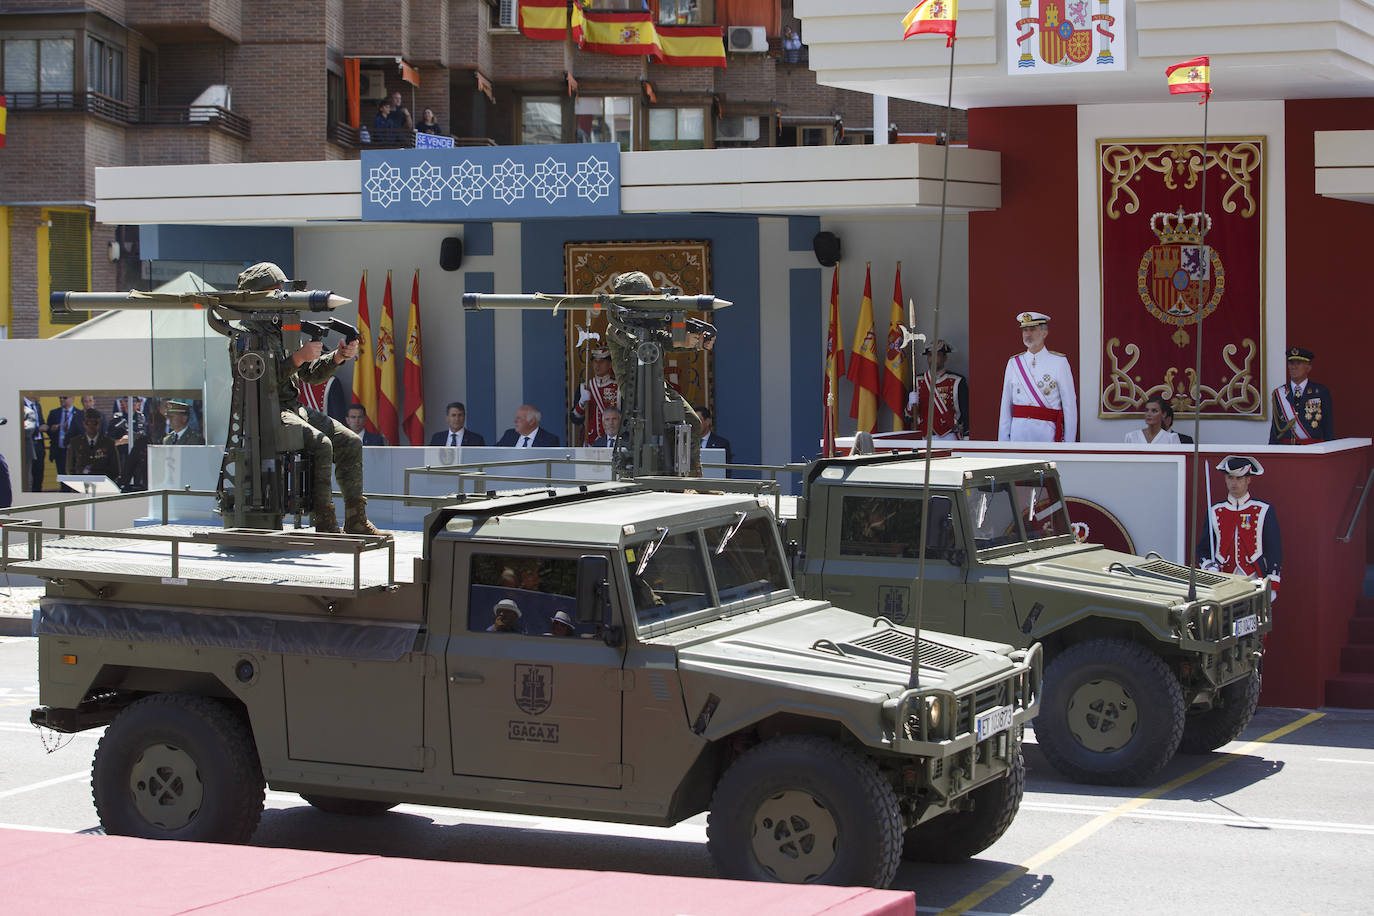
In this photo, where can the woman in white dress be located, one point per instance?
(1154, 432)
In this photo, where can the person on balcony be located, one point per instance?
(428, 123)
(1154, 432)
(381, 125)
(400, 116)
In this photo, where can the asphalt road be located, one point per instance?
(1281, 821)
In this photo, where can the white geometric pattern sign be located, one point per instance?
(578, 179)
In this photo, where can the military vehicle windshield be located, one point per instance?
(993, 512)
(669, 576)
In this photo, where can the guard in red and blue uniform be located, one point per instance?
(1242, 534)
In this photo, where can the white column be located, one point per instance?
(880, 120)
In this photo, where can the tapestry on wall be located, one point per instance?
(1158, 279)
(591, 266)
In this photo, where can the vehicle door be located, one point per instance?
(872, 558)
(525, 703)
(997, 530)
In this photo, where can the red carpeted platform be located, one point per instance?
(48, 873)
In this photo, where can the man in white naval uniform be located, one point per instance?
(1039, 403)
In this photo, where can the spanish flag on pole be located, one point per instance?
(834, 369)
(365, 367)
(863, 363)
(414, 376)
(937, 17)
(387, 423)
(895, 369)
(2, 122)
(1191, 76)
(544, 20)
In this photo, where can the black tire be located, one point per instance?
(959, 835)
(1204, 732)
(178, 767)
(1112, 713)
(356, 807)
(803, 809)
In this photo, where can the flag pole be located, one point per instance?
(1191, 546)
(915, 679)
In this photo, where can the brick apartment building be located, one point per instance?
(157, 82)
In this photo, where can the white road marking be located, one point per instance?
(32, 829)
(1226, 820)
(33, 787)
(1364, 763)
(33, 730)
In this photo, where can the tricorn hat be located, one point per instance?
(940, 346)
(1240, 466)
(599, 353)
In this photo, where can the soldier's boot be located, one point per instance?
(355, 517)
(324, 519)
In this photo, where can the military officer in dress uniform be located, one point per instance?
(1302, 408)
(951, 402)
(1242, 534)
(179, 431)
(598, 394)
(1039, 403)
(92, 452)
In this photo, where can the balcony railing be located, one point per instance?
(104, 106)
(393, 138)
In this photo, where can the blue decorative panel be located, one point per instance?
(501, 182)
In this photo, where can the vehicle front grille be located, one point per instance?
(982, 700)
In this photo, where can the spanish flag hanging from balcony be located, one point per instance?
(937, 17)
(691, 45)
(544, 20)
(1191, 76)
(628, 32)
(2, 122)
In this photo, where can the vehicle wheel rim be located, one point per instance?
(794, 837)
(166, 787)
(1102, 716)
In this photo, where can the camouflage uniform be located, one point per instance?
(625, 363)
(328, 441)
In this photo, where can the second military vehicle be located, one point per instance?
(1135, 671)
(606, 652)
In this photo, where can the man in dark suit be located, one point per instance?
(60, 422)
(610, 420)
(710, 438)
(457, 434)
(1168, 424)
(527, 433)
(356, 420)
(1302, 407)
(34, 448)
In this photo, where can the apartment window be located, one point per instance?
(677, 128)
(685, 12)
(69, 258)
(104, 68)
(38, 64)
(541, 119)
(606, 119)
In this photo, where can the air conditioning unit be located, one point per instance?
(747, 39)
(744, 129)
(509, 15)
(372, 85)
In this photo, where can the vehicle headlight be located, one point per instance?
(1211, 617)
(935, 715)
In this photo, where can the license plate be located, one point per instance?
(991, 722)
(1244, 626)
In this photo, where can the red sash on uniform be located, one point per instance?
(1298, 434)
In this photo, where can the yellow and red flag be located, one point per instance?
(626, 32)
(1191, 76)
(387, 423)
(414, 377)
(544, 20)
(895, 369)
(937, 17)
(834, 369)
(2, 122)
(365, 368)
(863, 363)
(691, 46)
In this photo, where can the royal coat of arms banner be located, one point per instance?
(592, 266)
(1065, 36)
(1158, 278)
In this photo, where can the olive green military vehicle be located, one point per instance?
(1134, 671)
(606, 652)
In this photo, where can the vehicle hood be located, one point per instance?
(815, 647)
(1108, 574)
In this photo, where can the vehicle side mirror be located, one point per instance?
(593, 573)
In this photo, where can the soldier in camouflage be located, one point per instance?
(624, 361)
(328, 441)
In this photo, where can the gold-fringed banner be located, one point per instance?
(1159, 278)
